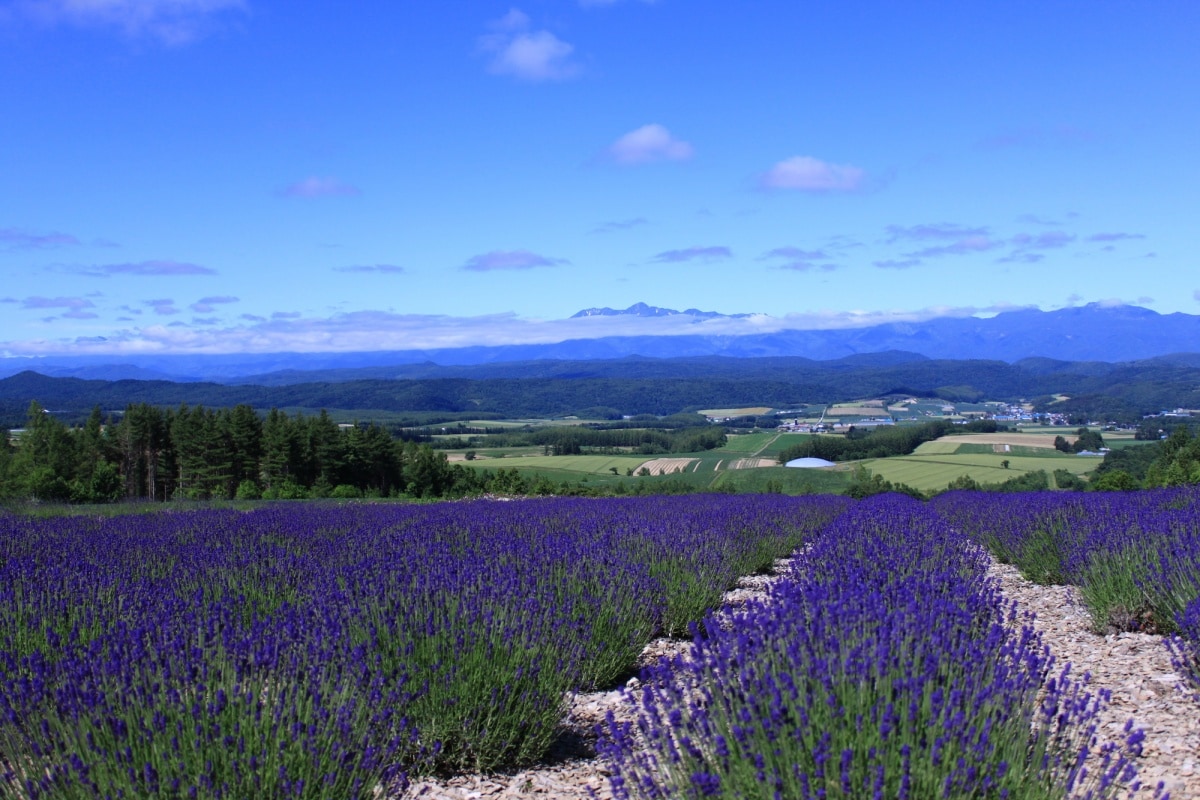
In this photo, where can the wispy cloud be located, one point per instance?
(696, 253)
(1037, 219)
(1114, 237)
(76, 307)
(620, 225)
(57, 302)
(172, 22)
(164, 307)
(141, 268)
(381, 330)
(510, 259)
(808, 174)
(16, 239)
(799, 260)
(313, 186)
(530, 55)
(933, 232)
(1026, 246)
(207, 305)
(1042, 241)
(390, 269)
(647, 144)
(964, 246)
(1038, 136)
(897, 263)
(954, 239)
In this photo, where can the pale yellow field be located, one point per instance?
(752, 463)
(855, 411)
(941, 447)
(666, 466)
(1022, 439)
(735, 412)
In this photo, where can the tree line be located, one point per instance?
(880, 442)
(195, 453)
(573, 440)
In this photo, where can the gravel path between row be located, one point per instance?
(1135, 667)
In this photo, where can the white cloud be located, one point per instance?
(808, 174)
(531, 55)
(510, 259)
(649, 143)
(381, 330)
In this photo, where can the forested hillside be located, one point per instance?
(646, 386)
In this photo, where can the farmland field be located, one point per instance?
(934, 471)
(746, 442)
(940, 447)
(735, 412)
(317, 651)
(336, 642)
(586, 464)
(1025, 439)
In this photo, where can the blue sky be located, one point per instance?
(259, 176)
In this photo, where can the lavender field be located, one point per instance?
(322, 651)
(1135, 556)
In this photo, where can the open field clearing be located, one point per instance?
(577, 464)
(932, 472)
(746, 442)
(735, 412)
(666, 466)
(752, 463)
(855, 411)
(1025, 439)
(782, 442)
(941, 447)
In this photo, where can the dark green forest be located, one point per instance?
(881, 442)
(608, 389)
(194, 453)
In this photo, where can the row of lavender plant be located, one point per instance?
(1135, 556)
(320, 651)
(885, 666)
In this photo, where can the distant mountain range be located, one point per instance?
(1086, 333)
(643, 310)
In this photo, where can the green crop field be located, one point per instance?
(746, 443)
(928, 472)
(783, 442)
(568, 464)
(790, 481)
(939, 448)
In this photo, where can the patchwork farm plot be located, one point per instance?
(336, 651)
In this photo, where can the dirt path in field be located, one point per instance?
(1134, 667)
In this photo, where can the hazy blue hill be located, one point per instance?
(1092, 333)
